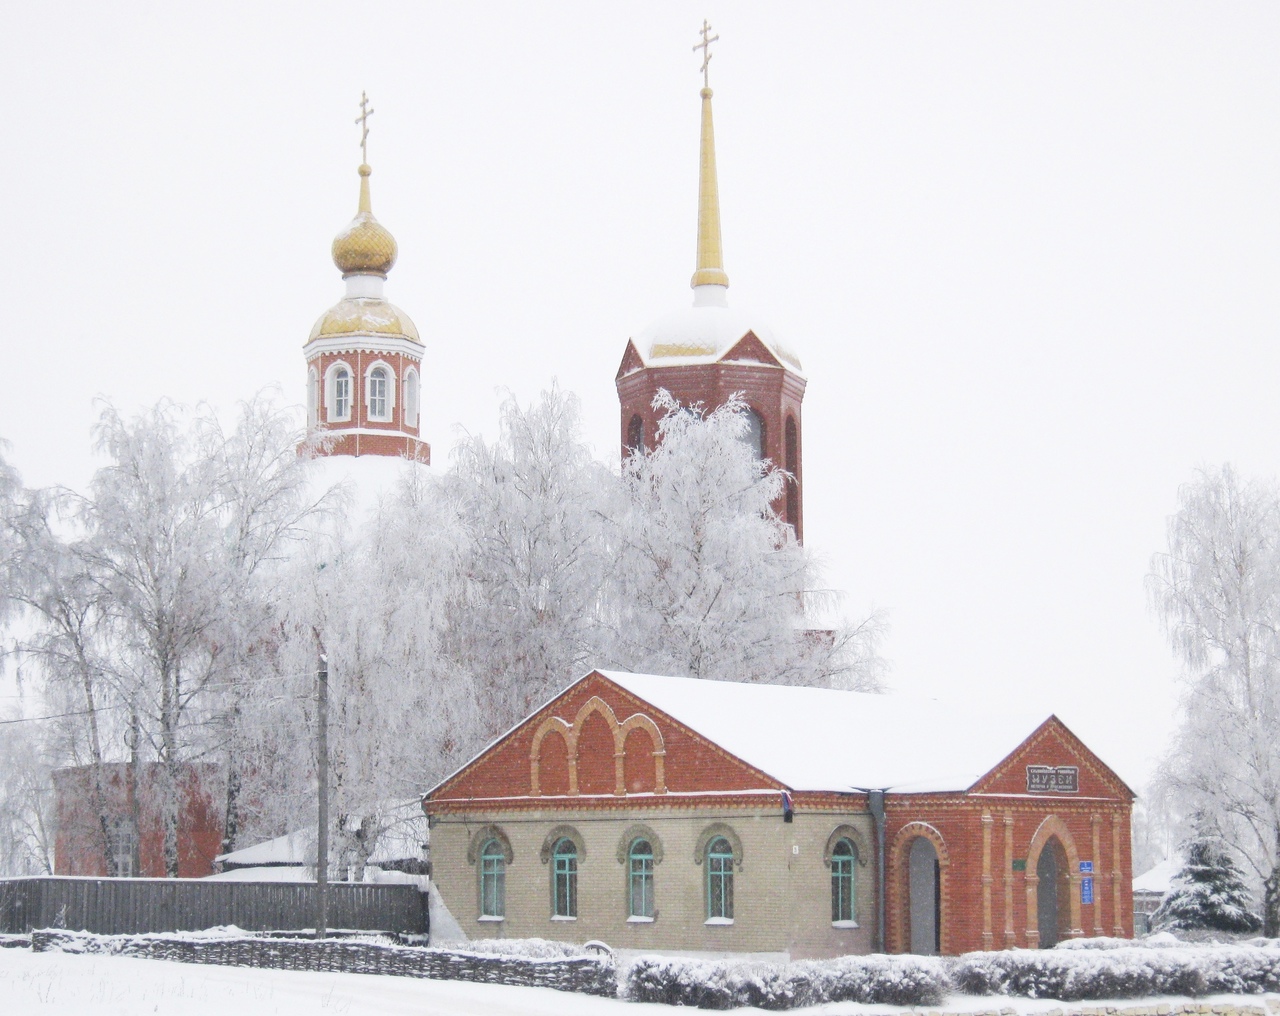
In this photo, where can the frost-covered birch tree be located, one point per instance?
(373, 594)
(527, 617)
(1216, 590)
(10, 487)
(706, 580)
(181, 525)
(53, 579)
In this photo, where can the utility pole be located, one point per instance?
(322, 818)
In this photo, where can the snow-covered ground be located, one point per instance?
(61, 984)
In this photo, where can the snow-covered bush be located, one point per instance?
(880, 980)
(1077, 974)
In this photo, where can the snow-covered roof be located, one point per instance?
(271, 873)
(1159, 878)
(827, 740)
(297, 847)
(402, 839)
(703, 333)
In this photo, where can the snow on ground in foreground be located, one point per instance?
(61, 984)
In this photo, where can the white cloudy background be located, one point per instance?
(1027, 253)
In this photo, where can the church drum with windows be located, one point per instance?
(703, 816)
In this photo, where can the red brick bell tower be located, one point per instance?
(708, 352)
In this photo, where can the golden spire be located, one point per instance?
(365, 247)
(710, 270)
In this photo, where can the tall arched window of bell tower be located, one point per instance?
(792, 456)
(635, 434)
(755, 436)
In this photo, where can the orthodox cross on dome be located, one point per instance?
(705, 46)
(366, 111)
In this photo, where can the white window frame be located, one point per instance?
(391, 392)
(412, 397)
(331, 392)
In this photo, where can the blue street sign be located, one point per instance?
(1086, 889)
(1086, 867)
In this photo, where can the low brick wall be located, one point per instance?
(587, 975)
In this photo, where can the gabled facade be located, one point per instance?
(658, 813)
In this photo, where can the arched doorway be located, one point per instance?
(924, 908)
(1053, 893)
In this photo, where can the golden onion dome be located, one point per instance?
(362, 315)
(365, 247)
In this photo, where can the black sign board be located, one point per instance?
(1053, 779)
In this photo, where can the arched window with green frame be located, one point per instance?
(640, 880)
(493, 880)
(719, 881)
(844, 861)
(564, 879)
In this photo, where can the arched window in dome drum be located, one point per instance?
(378, 394)
(340, 405)
(635, 434)
(313, 397)
(411, 398)
(793, 467)
(755, 436)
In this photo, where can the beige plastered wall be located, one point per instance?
(782, 891)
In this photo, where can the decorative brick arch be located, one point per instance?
(535, 753)
(854, 836)
(563, 832)
(638, 721)
(1052, 828)
(619, 732)
(718, 830)
(639, 831)
(898, 883)
(482, 836)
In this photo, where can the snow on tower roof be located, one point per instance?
(826, 740)
(704, 333)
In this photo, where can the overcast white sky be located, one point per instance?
(1027, 253)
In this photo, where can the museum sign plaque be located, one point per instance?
(1053, 779)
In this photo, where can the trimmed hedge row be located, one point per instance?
(708, 984)
(1074, 975)
(1067, 975)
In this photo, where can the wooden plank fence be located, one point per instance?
(135, 906)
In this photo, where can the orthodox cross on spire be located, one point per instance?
(705, 46)
(366, 111)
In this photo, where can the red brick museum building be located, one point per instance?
(704, 816)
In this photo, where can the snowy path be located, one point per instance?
(61, 984)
